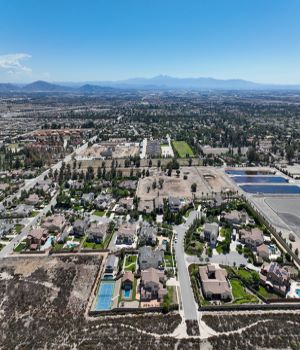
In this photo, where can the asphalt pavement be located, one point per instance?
(187, 295)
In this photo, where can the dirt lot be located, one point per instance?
(172, 185)
(43, 302)
(119, 150)
(217, 180)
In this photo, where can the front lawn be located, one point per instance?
(21, 246)
(99, 212)
(18, 228)
(34, 213)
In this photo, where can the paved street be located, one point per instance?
(188, 301)
(8, 249)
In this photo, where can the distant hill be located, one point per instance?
(9, 88)
(43, 86)
(160, 82)
(94, 89)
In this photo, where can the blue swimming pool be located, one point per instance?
(104, 296)
(298, 292)
(247, 172)
(259, 179)
(127, 293)
(271, 189)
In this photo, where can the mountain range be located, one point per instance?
(161, 82)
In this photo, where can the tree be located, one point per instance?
(194, 187)
(252, 155)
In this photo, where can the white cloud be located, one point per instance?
(13, 63)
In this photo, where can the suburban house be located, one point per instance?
(126, 203)
(150, 258)
(96, 232)
(5, 228)
(275, 277)
(111, 264)
(214, 282)
(55, 223)
(152, 285)
(235, 217)
(33, 199)
(103, 201)
(174, 204)
(79, 228)
(263, 251)
(252, 238)
(126, 233)
(127, 280)
(44, 185)
(2, 209)
(23, 210)
(87, 198)
(211, 233)
(128, 184)
(37, 237)
(147, 235)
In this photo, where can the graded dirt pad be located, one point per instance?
(217, 180)
(119, 150)
(172, 185)
(43, 303)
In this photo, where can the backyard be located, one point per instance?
(130, 263)
(239, 293)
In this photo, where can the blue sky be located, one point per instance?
(76, 40)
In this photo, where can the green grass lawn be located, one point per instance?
(20, 247)
(18, 228)
(183, 149)
(99, 212)
(34, 213)
(267, 295)
(130, 263)
(225, 231)
(92, 245)
(243, 273)
(168, 260)
(239, 293)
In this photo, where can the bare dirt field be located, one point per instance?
(119, 150)
(43, 303)
(172, 185)
(217, 180)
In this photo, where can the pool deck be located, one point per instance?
(115, 297)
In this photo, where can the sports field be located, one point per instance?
(183, 149)
(104, 297)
